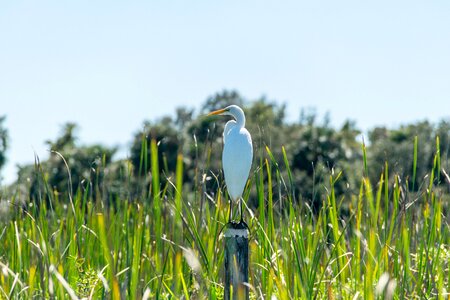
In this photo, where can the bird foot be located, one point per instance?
(243, 224)
(237, 225)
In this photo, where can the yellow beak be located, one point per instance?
(217, 112)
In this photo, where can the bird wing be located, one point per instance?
(230, 125)
(237, 159)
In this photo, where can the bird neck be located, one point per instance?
(240, 120)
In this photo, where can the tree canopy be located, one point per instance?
(314, 150)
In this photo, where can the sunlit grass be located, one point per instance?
(380, 243)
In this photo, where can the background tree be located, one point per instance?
(396, 147)
(315, 150)
(87, 166)
(319, 150)
(167, 137)
(266, 123)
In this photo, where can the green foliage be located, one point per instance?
(166, 245)
(166, 135)
(70, 168)
(328, 216)
(397, 148)
(321, 150)
(86, 278)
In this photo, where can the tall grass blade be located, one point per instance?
(414, 163)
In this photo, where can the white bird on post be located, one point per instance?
(237, 154)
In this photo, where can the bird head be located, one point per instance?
(232, 110)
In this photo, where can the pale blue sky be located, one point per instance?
(109, 65)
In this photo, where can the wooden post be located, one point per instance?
(236, 261)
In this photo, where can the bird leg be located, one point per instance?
(241, 209)
(230, 212)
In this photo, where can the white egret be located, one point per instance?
(237, 154)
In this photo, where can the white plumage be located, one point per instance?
(237, 153)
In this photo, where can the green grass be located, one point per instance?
(382, 242)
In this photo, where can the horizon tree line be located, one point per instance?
(314, 149)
